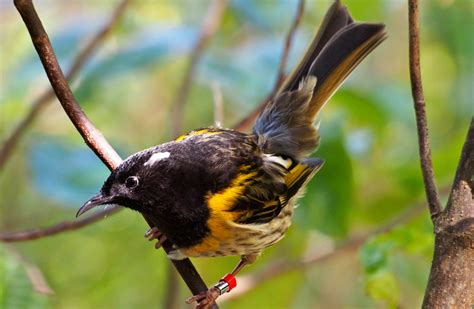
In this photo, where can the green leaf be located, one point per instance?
(15, 287)
(375, 252)
(383, 285)
(380, 257)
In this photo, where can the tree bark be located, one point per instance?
(451, 280)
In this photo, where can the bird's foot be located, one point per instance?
(207, 298)
(154, 233)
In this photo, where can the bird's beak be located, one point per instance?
(96, 200)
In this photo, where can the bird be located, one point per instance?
(219, 192)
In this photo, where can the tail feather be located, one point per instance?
(341, 55)
(336, 18)
(285, 126)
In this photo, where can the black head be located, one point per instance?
(136, 183)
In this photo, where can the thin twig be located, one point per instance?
(65, 226)
(91, 135)
(248, 120)
(43, 100)
(288, 42)
(432, 195)
(218, 104)
(209, 27)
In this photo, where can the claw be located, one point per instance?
(160, 241)
(154, 233)
(151, 231)
(205, 299)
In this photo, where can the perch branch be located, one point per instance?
(250, 118)
(91, 135)
(208, 29)
(432, 195)
(41, 102)
(74, 225)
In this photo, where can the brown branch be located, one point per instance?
(245, 123)
(91, 135)
(65, 226)
(451, 274)
(208, 29)
(43, 100)
(432, 195)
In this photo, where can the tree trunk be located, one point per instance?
(451, 281)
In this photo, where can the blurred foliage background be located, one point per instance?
(369, 142)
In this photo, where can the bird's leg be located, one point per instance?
(225, 285)
(154, 233)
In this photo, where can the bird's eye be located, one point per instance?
(131, 182)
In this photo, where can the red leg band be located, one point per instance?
(230, 280)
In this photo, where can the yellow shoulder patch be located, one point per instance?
(196, 132)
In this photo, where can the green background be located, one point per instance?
(368, 139)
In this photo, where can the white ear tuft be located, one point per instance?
(286, 163)
(156, 157)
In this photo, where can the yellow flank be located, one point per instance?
(193, 133)
(221, 202)
(219, 205)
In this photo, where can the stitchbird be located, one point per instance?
(219, 192)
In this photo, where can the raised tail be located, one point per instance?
(285, 127)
